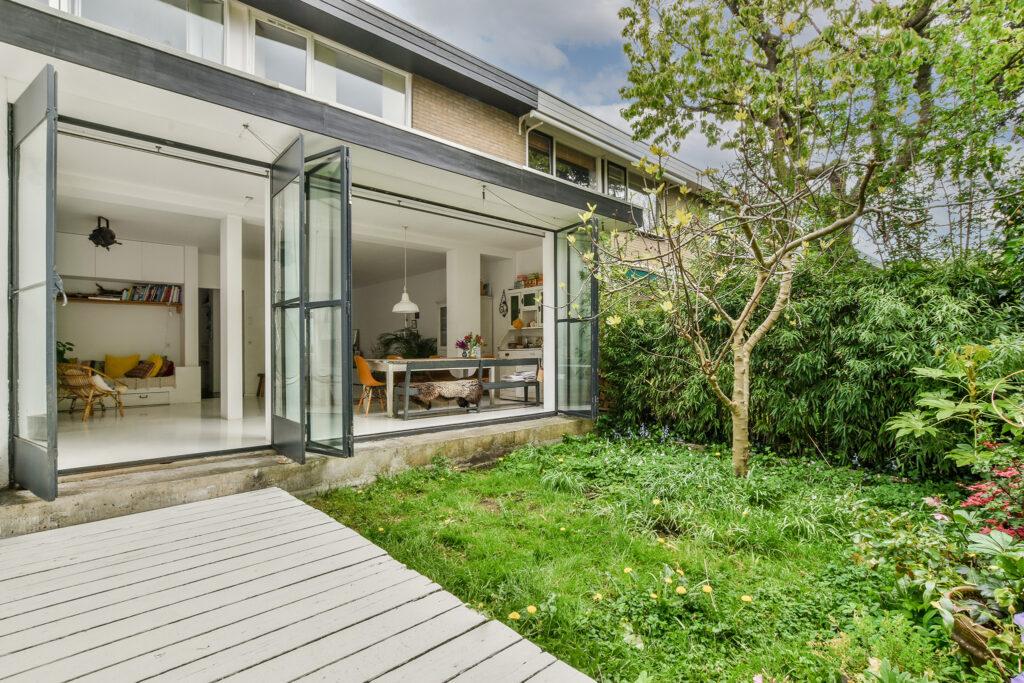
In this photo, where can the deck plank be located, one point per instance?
(256, 586)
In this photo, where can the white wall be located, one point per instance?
(371, 307)
(100, 329)
(500, 274)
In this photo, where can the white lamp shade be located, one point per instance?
(405, 305)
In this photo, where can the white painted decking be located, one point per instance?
(256, 587)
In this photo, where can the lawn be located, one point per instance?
(639, 560)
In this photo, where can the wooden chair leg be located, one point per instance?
(368, 396)
(383, 400)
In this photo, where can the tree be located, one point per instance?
(827, 105)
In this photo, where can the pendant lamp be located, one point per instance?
(405, 305)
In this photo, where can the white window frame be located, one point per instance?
(311, 40)
(74, 8)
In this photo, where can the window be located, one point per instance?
(358, 83)
(193, 25)
(280, 55)
(639, 195)
(575, 166)
(615, 180)
(540, 152)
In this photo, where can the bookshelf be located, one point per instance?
(117, 302)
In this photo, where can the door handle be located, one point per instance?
(58, 285)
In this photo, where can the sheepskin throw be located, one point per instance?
(464, 391)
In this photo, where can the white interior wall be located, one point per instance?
(100, 329)
(371, 307)
(462, 274)
(500, 274)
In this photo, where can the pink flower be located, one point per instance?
(933, 501)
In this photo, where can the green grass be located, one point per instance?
(557, 527)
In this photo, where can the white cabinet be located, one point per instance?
(122, 262)
(163, 263)
(75, 256)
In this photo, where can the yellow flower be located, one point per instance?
(680, 572)
(683, 217)
(746, 598)
(598, 597)
(667, 306)
(656, 501)
(627, 570)
(661, 540)
(514, 616)
(668, 579)
(380, 528)
(706, 588)
(532, 609)
(561, 528)
(654, 596)
(680, 590)
(613, 320)
(741, 115)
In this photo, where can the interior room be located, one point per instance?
(462, 278)
(139, 236)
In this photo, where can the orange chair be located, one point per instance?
(371, 386)
(394, 356)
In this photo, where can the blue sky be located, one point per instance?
(572, 48)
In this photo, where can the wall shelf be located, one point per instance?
(82, 299)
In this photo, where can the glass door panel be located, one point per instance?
(576, 323)
(287, 373)
(328, 331)
(33, 395)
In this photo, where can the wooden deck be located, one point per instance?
(256, 587)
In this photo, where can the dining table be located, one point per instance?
(390, 367)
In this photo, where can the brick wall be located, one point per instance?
(469, 122)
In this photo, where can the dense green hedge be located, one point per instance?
(830, 375)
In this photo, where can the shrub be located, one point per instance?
(830, 376)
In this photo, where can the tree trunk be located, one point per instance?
(740, 410)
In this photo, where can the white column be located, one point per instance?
(5, 326)
(550, 289)
(462, 280)
(231, 378)
(190, 309)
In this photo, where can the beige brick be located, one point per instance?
(452, 116)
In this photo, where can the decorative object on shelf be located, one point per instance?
(517, 323)
(534, 280)
(503, 305)
(102, 235)
(471, 345)
(405, 305)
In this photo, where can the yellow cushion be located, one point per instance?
(158, 362)
(116, 366)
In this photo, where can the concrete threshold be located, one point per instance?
(112, 493)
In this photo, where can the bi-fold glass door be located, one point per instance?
(576, 325)
(310, 269)
(33, 286)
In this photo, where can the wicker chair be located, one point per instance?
(90, 385)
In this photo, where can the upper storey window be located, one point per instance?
(196, 26)
(339, 76)
(279, 55)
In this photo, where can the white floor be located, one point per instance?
(155, 432)
(160, 432)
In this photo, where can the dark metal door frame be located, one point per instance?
(563, 316)
(287, 436)
(35, 463)
(343, 335)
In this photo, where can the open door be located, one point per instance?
(576, 326)
(287, 305)
(311, 303)
(328, 331)
(33, 286)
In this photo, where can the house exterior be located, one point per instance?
(348, 121)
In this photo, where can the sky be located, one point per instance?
(571, 48)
